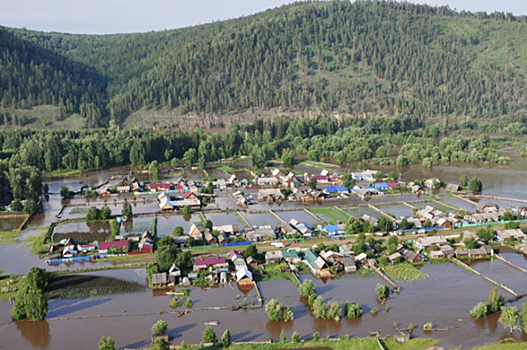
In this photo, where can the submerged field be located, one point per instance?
(78, 286)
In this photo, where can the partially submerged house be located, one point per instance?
(316, 264)
(203, 264)
(427, 242)
(508, 235)
(261, 233)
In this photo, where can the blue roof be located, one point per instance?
(337, 188)
(332, 228)
(382, 186)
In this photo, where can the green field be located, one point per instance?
(330, 215)
(404, 272)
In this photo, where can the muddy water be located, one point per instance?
(299, 215)
(397, 210)
(461, 204)
(443, 298)
(225, 219)
(8, 224)
(82, 232)
(501, 273)
(260, 219)
(166, 224)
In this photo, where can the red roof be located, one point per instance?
(178, 187)
(209, 261)
(234, 252)
(188, 194)
(392, 185)
(116, 244)
(157, 186)
(320, 177)
(87, 245)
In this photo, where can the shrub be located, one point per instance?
(277, 312)
(383, 291)
(160, 328)
(226, 339)
(411, 327)
(295, 338)
(334, 311)
(106, 343)
(479, 310)
(320, 307)
(209, 336)
(283, 338)
(307, 288)
(352, 310)
(159, 344)
(495, 301)
(428, 326)
(316, 336)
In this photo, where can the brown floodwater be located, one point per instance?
(444, 298)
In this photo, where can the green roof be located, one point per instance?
(289, 254)
(310, 256)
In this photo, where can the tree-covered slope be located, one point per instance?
(332, 58)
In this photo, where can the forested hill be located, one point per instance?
(331, 58)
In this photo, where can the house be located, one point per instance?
(395, 258)
(219, 184)
(261, 233)
(209, 237)
(334, 230)
(196, 231)
(166, 203)
(448, 251)
(430, 183)
(427, 242)
(336, 189)
(123, 189)
(436, 254)
(286, 229)
(410, 255)
(267, 181)
(121, 246)
(453, 187)
(291, 256)
(231, 230)
(191, 195)
(381, 186)
(235, 256)
(480, 252)
(174, 273)
(202, 264)
(483, 217)
(222, 238)
(460, 252)
(392, 185)
(145, 247)
(244, 277)
(253, 262)
(156, 187)
(362, 258)
(129, 179)
(487, 208)
(267, 194)
(349, 264)
(159, 279)
(331, 255)
(136, 187)
(443, 223)
(507, 235)
(84, 248)
(69, 252)
(300, 227)
(316, 264)
(321, 179)
(273, 257)
(370, 219)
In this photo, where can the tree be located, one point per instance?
(312, 183)
(471, 243)
(352, 310)
(31, 304)
(463, 182)
(524, 317)
(381, 152)
(30, 206)
(226, 339)
(486, 234)
(475, 185)
(187, 210)
(165, 241)
(402, 160)
(208, 224)
(37, 278)
(165, 257)
(288, 158)
(251, 251)
(160, 344)
(277, 312)
(320, 307)
(495, 301)
(353, 226)
(334, 311)
(295, 338)
(190, 156)
(127, 209)
(507, 216)
(404, 225)
(383, 291)
(178, 231)
(93, 214)
(348, 181)
(481, 309)
(385, 224)
(106, 213)
(159, 328)
(154, 170)
(316, 336)
(510, 318)
(16, 205)
(209, 336)
(106, 343)
(307, 288)
(65, 192)
(283, 338)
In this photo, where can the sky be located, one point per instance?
(127, 16)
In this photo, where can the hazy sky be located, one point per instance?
(124, 16)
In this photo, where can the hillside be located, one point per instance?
(329, 58)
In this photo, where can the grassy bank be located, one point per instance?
(4, 282)
(342, 344)
(502, 346)
(404, 272)
(318, 164)
(329, 213)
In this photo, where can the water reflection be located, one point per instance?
(37, 332)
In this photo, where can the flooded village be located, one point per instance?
(244, 239)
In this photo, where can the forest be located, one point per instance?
(360, 59)
(399, 141)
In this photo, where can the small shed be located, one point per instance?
(159, 279)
